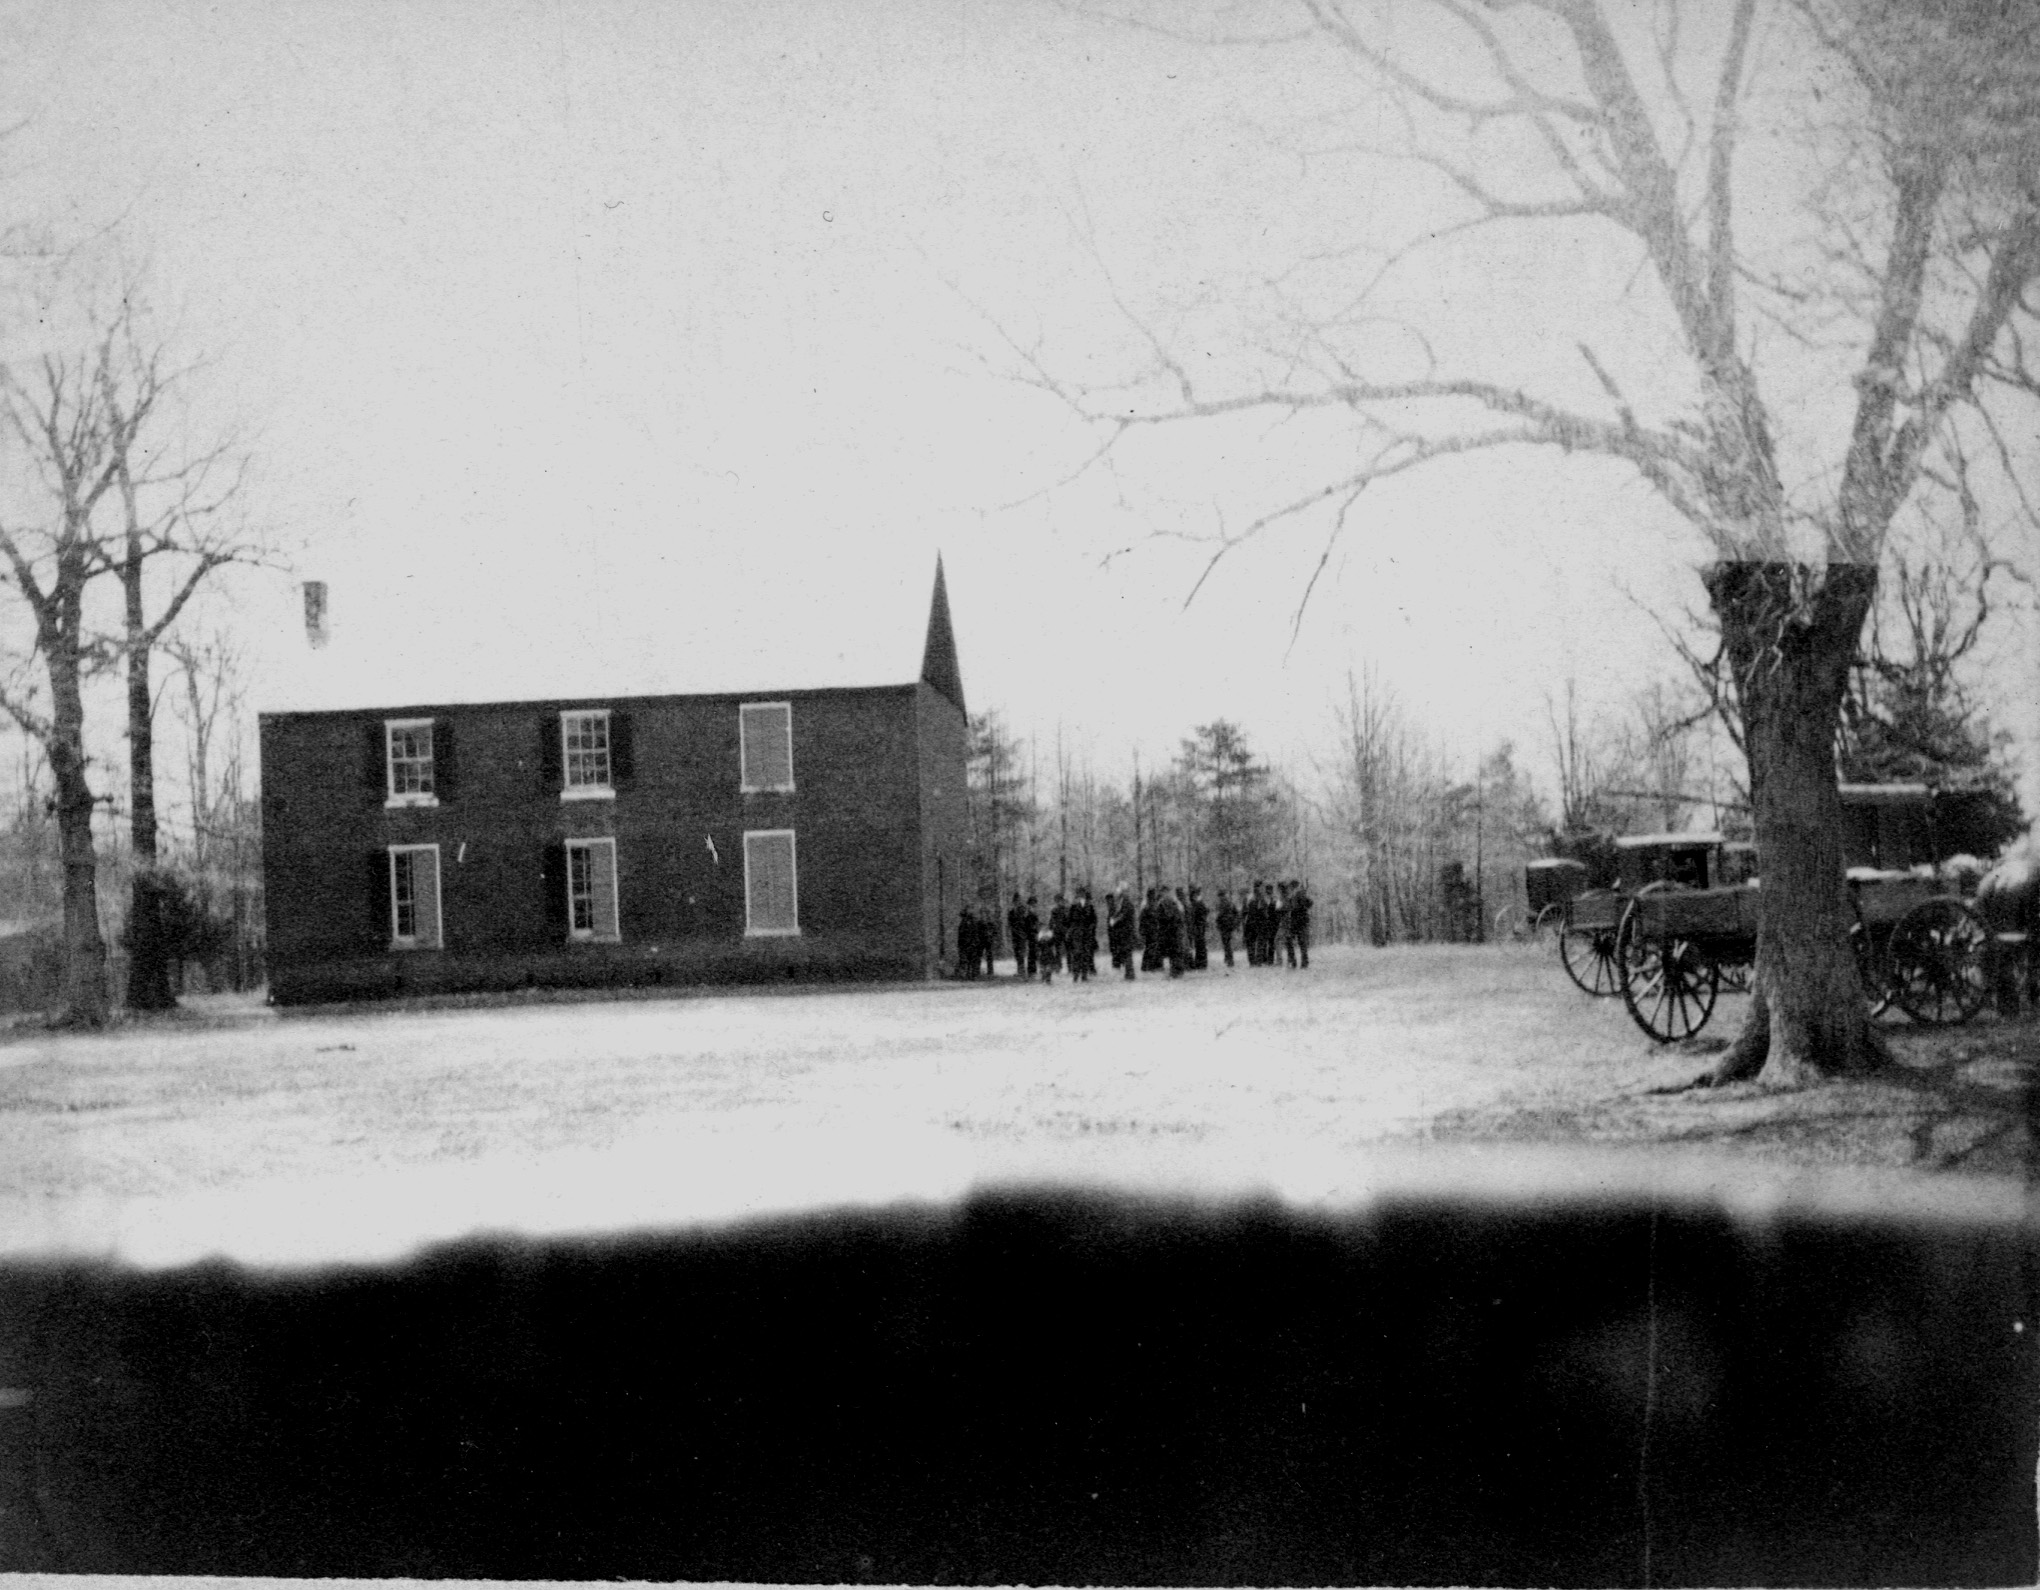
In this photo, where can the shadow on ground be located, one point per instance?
(1963, 1100)
(1054, 1387)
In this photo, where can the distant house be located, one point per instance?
(775, 834)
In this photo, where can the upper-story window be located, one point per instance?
(767, 746)
(584, 753)
(584, 742)
(408, 743)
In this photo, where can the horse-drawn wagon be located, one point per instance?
(1549, 885)
(1592, 922)
(1917, 941)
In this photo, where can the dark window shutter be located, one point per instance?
(444, 772)
(375, 761)
(622, 766)
(379, 899)
(549, 774)
(555, 876)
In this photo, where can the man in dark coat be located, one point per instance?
(1200, 919)
(1285, 925)
(968, 954)
(1256, 923)
(1151, 933)
(1169, 919)
(1055, 939)
(1018, 935)
(1030, 923)
(1083, 937)
(1299, 920)
(1228, 924)
(1121, 936)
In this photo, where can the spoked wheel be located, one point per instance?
(1670, 986)
(1588, 955)
(1511, 922)
(1870, 970)
(1548, 922)
(1935, 962)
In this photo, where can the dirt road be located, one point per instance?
(362, 1133)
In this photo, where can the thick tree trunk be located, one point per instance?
(1790, 632)
(85, 993)
(149, 985)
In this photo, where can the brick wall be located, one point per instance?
(945, 819)
(867, 765)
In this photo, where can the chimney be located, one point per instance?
(315, 612)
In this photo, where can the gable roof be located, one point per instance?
(744, 625)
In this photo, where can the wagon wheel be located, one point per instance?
(1628, 951)
(1671, 984)
(1935, 960)
(1588, 956)
(1870, 969)
(1551, 920)
(1511, 922)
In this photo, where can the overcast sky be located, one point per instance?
(610, 346)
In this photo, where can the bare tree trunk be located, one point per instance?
(85, 992)
(199, 763)
(141, 719)
(149, 966)
(1790, 632)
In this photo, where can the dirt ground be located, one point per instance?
(236, 1130)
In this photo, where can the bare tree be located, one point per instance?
(30, 874)
(1393, 806)
(1577, 761)
(110, 493)
(57, 414)
(1002, 808)
(1655, 755)
(209, 672)
(1903, 279)
(223, 858)
(1912, 711)
(179, 524)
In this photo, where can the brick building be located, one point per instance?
(739, 837)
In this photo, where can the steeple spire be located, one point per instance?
(938, 659)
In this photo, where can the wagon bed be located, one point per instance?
(1917, 944)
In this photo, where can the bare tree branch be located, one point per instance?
(1720, 174)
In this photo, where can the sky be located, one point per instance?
(598, 348)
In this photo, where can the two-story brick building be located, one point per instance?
(813, 833)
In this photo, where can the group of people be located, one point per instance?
(1066, 938)
(1267, 918)
(1169, 929)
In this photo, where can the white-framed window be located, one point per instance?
(771, 884)
(409, 744)
(414, 897)
(584, 755)
(591, 889)
(767, 746)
